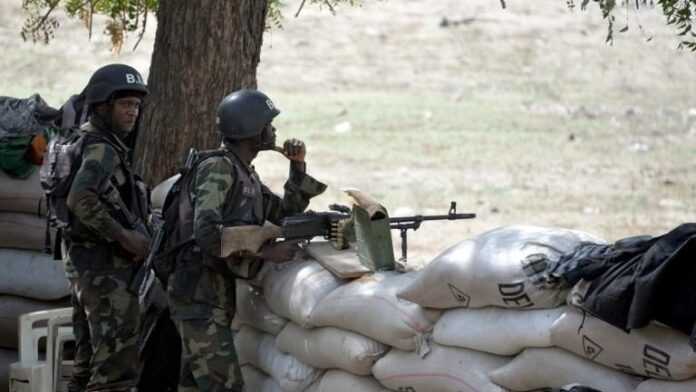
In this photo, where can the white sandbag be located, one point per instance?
(655, 351)
(25, 195)
(159, 193)
(500, 267)
(7, 357)
(329, 348)
(369, 306)
(32, 275)
(253, 311)
(538, 368)
(257, 381)
(293, 289)
(340, 381)
(22, 231)
(12, 307)
(259, 349)
(444, 369)
(667, 386)
(495, 330)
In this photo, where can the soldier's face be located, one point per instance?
(125, 113)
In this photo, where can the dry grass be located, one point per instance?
(521, 115)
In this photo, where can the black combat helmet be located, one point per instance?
(113, 78)
(244, 114)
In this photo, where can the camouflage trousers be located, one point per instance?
(83, 345)
(208, 361)
(112, 315)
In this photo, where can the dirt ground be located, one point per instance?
(521, 115)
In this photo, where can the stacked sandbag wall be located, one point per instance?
(483, 316)
(498, 298)
(30, 280)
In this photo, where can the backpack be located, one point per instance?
(175, 231)
(63, 159)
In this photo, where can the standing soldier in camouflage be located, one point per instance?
(107, 236)
(225, 191)
(73, 116)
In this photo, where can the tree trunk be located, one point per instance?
(204, 50)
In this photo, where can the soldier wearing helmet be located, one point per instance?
(226, 191)
(107, 235)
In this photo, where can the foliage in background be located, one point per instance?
(679, 13)
(126, 16)
(132, 15)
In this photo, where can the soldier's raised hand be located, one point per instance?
(294, 150)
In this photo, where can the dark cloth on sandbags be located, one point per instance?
(25, 116)
(640, 279)
(11, 307)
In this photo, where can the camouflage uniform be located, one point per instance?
(83, 346)
(103, 270)
(224, 192)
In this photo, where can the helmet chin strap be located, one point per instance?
(265, 140)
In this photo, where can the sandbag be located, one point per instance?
(538, 368)
(159, 193)
(7, 357)
(503, 267)
(257, 381)
(32, 275)
(328, 348)
(666, 386)
(294, 288)
(259, 349)
(369, 306)
(22, 231)
(514, 330)
(340, 381)
(252, 310)
(23, 195)
(444, 369)
(11, 308)
(655, 351)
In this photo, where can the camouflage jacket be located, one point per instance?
(104, 170)
(227, 192)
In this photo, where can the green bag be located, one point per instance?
(13, 161)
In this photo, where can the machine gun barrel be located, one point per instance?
(404, 223)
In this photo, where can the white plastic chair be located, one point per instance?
(30, 374)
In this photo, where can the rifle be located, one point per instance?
(305, 226)
(145, 276)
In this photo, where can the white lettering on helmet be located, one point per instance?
(270, 104)
(133, 79)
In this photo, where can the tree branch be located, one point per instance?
(142, 31)
(300, 9)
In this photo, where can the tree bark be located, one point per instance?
(204, 50)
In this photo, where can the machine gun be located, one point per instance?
(326, 224)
